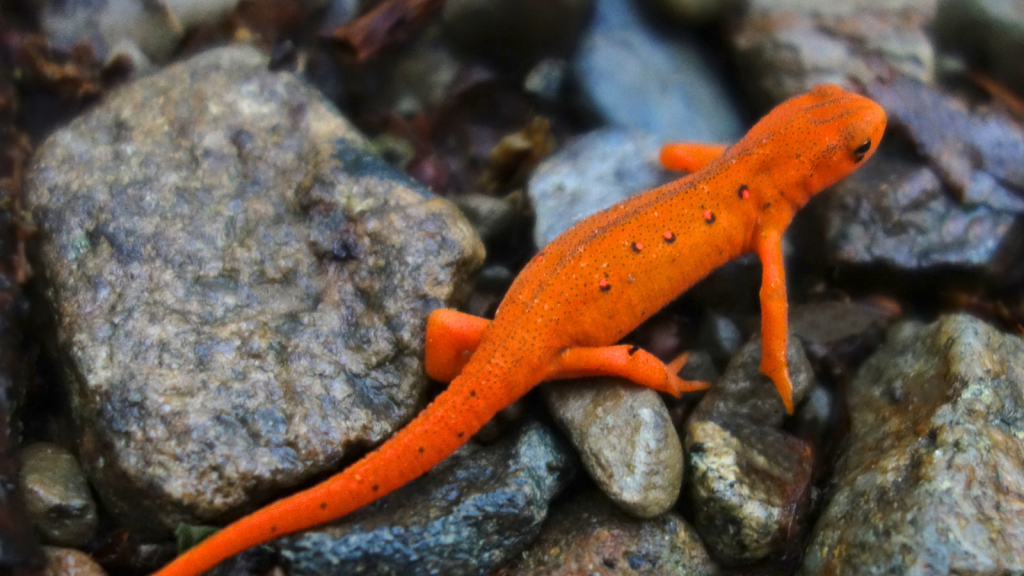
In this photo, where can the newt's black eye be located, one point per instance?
(862, 150)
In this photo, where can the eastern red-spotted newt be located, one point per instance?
(591, 286)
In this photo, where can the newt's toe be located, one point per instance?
(677, 384)
(785, 388)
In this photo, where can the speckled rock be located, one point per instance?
(513, 32)
(57, 495)
(589, 174)
(788, 46)
(69, 562)
(625, 438)
(932, 477)
(896, 211)
(748, 479)
(237, 287)
(590, 537)
(631, 75)
(471, 514)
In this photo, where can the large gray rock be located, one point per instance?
(237, 288)
(931, 480)
(978, 153)
(786, 47)
(469, 515)
(896, 211)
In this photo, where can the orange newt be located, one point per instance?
(590, 287)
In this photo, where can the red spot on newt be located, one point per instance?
(604, 285)
(744, 192)
(813, 140)
(637, 246)
(709, 216)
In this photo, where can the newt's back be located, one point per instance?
(604, 276)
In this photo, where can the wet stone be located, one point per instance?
(789, 46)
(591, 173)
(471, 514)
(69, 562)
(749, 480)
(56, 495)
(590, 536)
(896, 211)
(626, 440)
(238, 289)
(931, 480)
(631, 75)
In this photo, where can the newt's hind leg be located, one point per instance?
(452, 337)
(689, 157)
(628, 362)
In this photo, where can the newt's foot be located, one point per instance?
(628, 362)
(673, 368)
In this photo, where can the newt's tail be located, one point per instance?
(437, 432)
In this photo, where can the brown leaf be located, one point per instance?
(389, 22)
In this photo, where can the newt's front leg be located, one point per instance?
(774, 314)
(689, 157)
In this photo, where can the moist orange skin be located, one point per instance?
(590, 287)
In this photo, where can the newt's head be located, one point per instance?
(819, 138)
